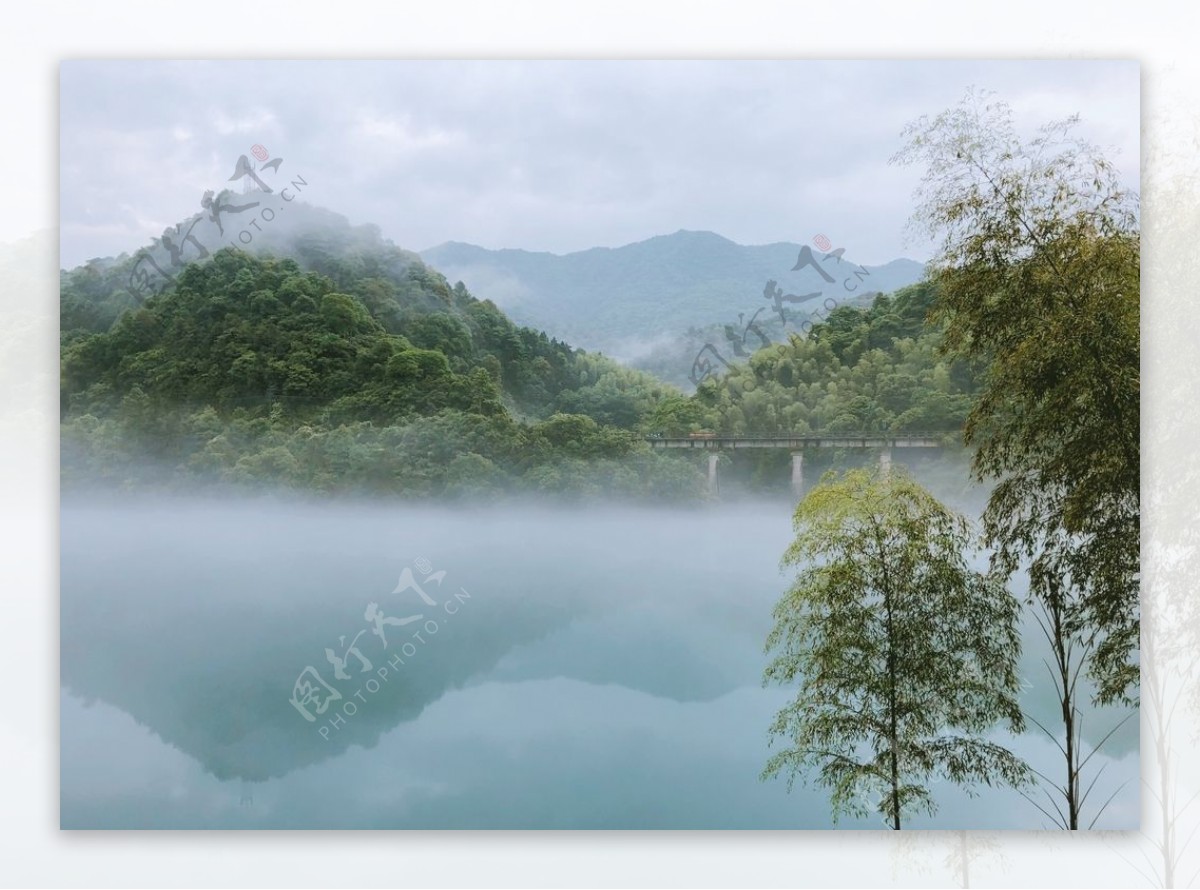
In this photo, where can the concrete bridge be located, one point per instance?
(714, 443)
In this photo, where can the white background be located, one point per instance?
(33, 852)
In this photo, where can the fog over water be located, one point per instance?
(591, 667)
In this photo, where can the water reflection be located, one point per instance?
(604, 670)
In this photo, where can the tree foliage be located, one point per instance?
(870, 369)
(905, 655)
(1038, 277)
(372, 374)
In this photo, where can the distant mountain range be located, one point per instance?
(628, 301)
(652, 305)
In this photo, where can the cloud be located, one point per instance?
(556, 156)
(398, 133)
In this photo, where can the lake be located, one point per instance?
(574, 667)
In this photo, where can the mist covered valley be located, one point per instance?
(345, 546)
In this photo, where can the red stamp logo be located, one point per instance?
(823, 243)
(262, 154)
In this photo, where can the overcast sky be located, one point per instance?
(556, 156)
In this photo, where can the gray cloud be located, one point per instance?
(555, 156)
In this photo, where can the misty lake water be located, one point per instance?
(590, 667)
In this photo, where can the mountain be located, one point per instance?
(319, 355)
(309, 353)
(626, 300)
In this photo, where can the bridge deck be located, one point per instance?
(794, 442)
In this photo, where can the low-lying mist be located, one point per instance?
(609, 656)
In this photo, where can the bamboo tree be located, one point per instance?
(904, 654)
(1070, 652)
(1038, 276)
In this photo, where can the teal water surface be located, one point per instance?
(587, 667)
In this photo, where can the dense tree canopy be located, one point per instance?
(329, 362)
(1038, 279)
(380, 378)
(874, 369)
(905, 655)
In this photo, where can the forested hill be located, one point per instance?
(325, 357)
(337, 361)
(876, 368)
(866, 369)
(626, 300)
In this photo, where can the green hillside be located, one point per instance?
(328, 359)
(347, 365)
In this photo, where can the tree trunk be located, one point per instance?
(891, 669)
(895, 784)
(1062, 656)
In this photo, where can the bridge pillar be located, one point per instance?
(797, 473)
(714, 484)
(885, 460)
